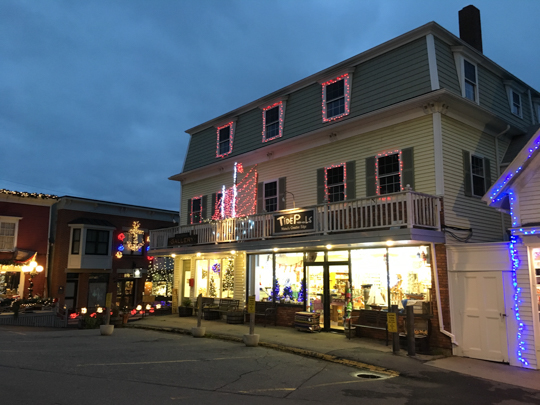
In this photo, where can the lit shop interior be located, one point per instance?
(317, 281)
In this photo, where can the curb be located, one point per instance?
(287, 349)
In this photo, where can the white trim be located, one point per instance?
(11, 220)
(438, 153)
(460, 55)
(432, 60)
(513, 88)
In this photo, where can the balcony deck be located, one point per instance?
(408, 209)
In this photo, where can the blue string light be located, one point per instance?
(517, 290)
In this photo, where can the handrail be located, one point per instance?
(407, 209)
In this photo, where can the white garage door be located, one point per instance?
(480, 317)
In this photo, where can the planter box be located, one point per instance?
(185, 311)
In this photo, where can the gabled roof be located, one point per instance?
(523, 148)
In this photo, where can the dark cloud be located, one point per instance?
(96, 95)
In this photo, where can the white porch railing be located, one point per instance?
(406, 209)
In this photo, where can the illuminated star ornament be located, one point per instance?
(133, 239)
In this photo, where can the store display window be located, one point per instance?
(536, 265)
(289, 278)
(214, 277)
(408, 274)
(260, 277)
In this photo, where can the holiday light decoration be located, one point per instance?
(216, 267)
(133, 240)
(240, 200)
(121, 236)
(344, 180)
(281, 115)
(385, 154)
(347, 96)
(231, 136)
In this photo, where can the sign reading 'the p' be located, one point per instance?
(297, 221)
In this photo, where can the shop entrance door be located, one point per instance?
(325, 292)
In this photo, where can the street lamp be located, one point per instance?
(33, 269)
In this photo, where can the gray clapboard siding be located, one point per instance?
(529, 201)
(396, 76)
(301, 168)
(446, 67)
(460, 210)
(493, 96)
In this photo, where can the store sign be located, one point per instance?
(297, 221)
(183, 239)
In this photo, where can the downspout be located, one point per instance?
(498, 166)
(438, 294)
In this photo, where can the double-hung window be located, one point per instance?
(225, 135)
(271, 196)
(97, 242)
(273, 121)
(516, 103)
(196, 210)
(336, 98)
(478, 176)
(470, 80)
(76, 241)
(335, 183)
(8, 232)
(388, 173)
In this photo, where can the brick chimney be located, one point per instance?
(470, 29)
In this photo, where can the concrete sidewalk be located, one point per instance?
(362, 353)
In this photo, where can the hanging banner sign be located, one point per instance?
(297, 221)
(183, 239)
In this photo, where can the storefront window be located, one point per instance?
(260, 277)
(536, 264)
(289, 278)
(215, 278)
(339, 256)
(202, 277)
(97, 290)
(409, 275)
(315, 257)
(369, 278)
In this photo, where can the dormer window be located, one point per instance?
(336, 94)
(273, 121)
(470, 81)
(514, 91)
(466, 63)
(516, 103)
(225, 135)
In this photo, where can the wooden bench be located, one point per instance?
(266, 310)
(206, 302)
(371, 319)
(224, 305)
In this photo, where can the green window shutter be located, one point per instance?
(320, 186)
(213, 204)
(189, 211)
(204, 202)
(371, 181)
(467, 181)
(407, 159)
(260, 207)
(282, 196)
(350, 167)
(487, 171)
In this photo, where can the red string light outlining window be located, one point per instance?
(280, 121)
(344, 180)
(191, 209)
(238, 201)
(347, 87)
(384, 154)
(231, 136)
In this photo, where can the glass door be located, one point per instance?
(338, 275)
(315, 290)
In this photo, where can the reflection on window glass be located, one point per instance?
(202, 277)
(261, 277)
(369, 278)
(410, 274)
(289, 279)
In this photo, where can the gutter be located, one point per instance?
(439, 311)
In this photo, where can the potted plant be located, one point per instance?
(185, 309)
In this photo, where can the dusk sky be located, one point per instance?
(95, 96)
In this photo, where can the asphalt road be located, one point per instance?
(42, 367)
